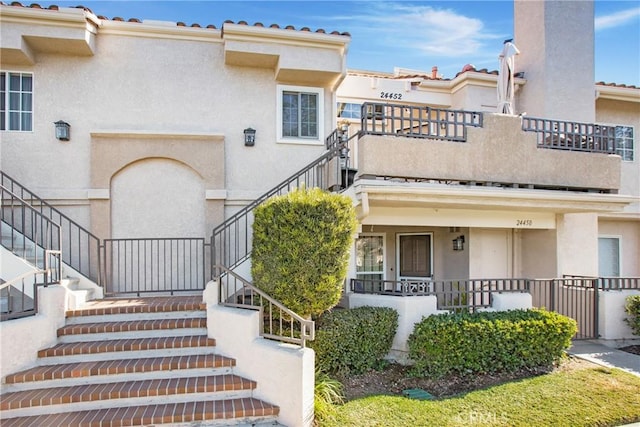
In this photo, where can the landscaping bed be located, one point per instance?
(395, 378)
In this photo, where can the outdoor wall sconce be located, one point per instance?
(249, 137)
(63, 130)
(458, 243)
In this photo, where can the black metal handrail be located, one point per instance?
(30, 235)
(417, 121)
(80, 248)
(573, 136)
(153, 265)
(231, 241)
(277, 322)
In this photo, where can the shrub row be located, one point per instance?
(354, 340)
(632, 307)
(489, 341)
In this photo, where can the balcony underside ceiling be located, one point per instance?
(415, 195)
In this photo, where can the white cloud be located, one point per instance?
(428, 30)
(617, 19)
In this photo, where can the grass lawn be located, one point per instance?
(592, 396)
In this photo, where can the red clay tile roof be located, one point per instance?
(179, 24)
(617, 85)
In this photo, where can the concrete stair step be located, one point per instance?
(210, 412)
(104, 371)
(123, 345)
(121, 394)
(138, 306)
(100, 331)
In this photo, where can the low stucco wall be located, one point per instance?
(285, 373)
(410, 310)
(21, 339)
(611, 315)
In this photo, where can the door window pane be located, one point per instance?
(370, 257)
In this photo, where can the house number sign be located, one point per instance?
(524, 222)
(390, 95)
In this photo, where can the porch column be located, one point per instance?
(577, 244)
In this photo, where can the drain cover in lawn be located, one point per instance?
(417, 393)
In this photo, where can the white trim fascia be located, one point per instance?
(251, 33)
(479, 79)
(64, 16)
(147, 134)
(616, 93)
(620, 216)
(159, 30)
(514, 198)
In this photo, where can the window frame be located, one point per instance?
(5, 125)
(384, 256)
(319, 92)
(614, 237)
(631, 150)
(431, 249)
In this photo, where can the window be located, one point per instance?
(347, 110)
(370, 257)
(415, 256)
(624, 142)
(300, 114)
(609, 256)
(16, 101)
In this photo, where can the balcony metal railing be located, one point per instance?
(573, 136)
(80, 248)
(276, 321)
(417, 121)
(19, 296)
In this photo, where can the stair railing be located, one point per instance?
(277, 322)
(80, 248)
(30, 235)
(231, 241)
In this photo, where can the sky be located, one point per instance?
(415, 35)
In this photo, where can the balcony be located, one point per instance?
(474, 148)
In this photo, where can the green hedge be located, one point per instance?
(632, 307)
(301, 244)
(354, 340)
(489, 341)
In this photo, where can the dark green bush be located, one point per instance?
(489, 342)
(632, 307)
(354, 340)
(301, 245)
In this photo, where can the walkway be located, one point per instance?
(596, 352)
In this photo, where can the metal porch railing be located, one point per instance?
(80, 248)
(417, 121)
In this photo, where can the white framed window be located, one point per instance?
(370, 255)
(300, 114)
(16, 101)
(609, 260)
(624, 142)
(349, 110)
(414, 256)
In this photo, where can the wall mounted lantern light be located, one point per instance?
(63, 130)
(458, 243)
(249, 137)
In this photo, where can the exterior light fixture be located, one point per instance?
(63, 130)
(458, 243)
(249, 137)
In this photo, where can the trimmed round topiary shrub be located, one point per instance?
(301, 244)
(489, 342)
(354, 340)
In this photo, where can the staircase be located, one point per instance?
(133, 362)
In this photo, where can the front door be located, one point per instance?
(415, 257)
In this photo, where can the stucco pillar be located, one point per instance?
(577, 244)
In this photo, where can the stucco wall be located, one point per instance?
(611, 315)
(538, 254)
(498, 152)
(490, 253)
(577, 244)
